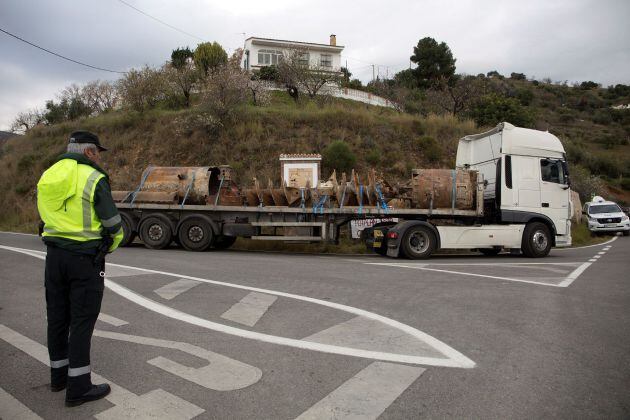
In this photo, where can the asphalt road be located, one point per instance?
(236, 335)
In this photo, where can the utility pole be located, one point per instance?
(372, 72)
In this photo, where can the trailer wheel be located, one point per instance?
(195, 234)
(155, 232)
(224, 242)
(490, 252)
(536, 240)
(418, 243)
(128, 234)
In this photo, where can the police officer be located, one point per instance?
(80, 224)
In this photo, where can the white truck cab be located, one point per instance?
(606, 216)
(527, 178)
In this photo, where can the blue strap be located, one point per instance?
(216, 200)
(302, 200)
(192, 181)
(137, 190)
(360, 198)
(381, 199)
(320, 204)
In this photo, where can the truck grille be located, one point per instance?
(610, 220)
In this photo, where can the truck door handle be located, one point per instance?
(545, 204)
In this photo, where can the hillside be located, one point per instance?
(251, 145)
(595, 136)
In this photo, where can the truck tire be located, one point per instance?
(224, 242)
(418, 242)
(490, 252)
(128, 233)
(155, 232)
(536, 240)
(195, 234)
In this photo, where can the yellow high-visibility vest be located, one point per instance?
(65, 200)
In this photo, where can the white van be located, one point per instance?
(606, 216)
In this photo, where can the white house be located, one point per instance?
(260, 52)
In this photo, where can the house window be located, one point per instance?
(325, 60)
(269, 57)
(304, 59)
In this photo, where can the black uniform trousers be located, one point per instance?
(74, 291)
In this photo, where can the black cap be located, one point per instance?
(86, 137)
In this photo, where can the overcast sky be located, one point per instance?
(572, 40)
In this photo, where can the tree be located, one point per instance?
(180, 57)
(209, 56)
(494, 73)
(141, 89)
(588, 85)
(26, 120)
(298, 74)
(99, 96)
(517, 76)
(338, 155)
(346, 74)
(493, 109)
(259, 88)
(406, 78)
(458, 96)
(225, 90)
(435, 62)
(181, 79)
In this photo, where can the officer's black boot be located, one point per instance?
(58, 378)
(96, 392)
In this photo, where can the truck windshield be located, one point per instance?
(604, 208)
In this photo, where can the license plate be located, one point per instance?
(611, 225)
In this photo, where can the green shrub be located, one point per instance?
(430, 148)
(26, 162)
(625, 184)
(339, 156)
(373, 157)
(493, 109)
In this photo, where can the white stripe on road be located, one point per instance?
(367, 394)
(111, 320)
(592, 260)
(11, 408)
(221, 373)
(417, 267)
(601, 253)
(574, 275)
(453, 358)
(597, 256)
(127, 404)
(587, 246)
(250, 309)
(176, 288)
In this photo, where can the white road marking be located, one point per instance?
(601, 253)
(112, 320)
(597, 256)
(453, 357)
(415, 267)
(174, 289)
(11, 408)
(18, 233)
(363, 333)
(367, 394)
(221, 374)
(249, 309)
(614, 238)
(592, 260)
(574, 275)
(127, 403)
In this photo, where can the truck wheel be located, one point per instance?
(224, 242)
(128, 234)
(195, 234)
(536, 240)
(418, 243)
(155, 232)
(489, 252)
